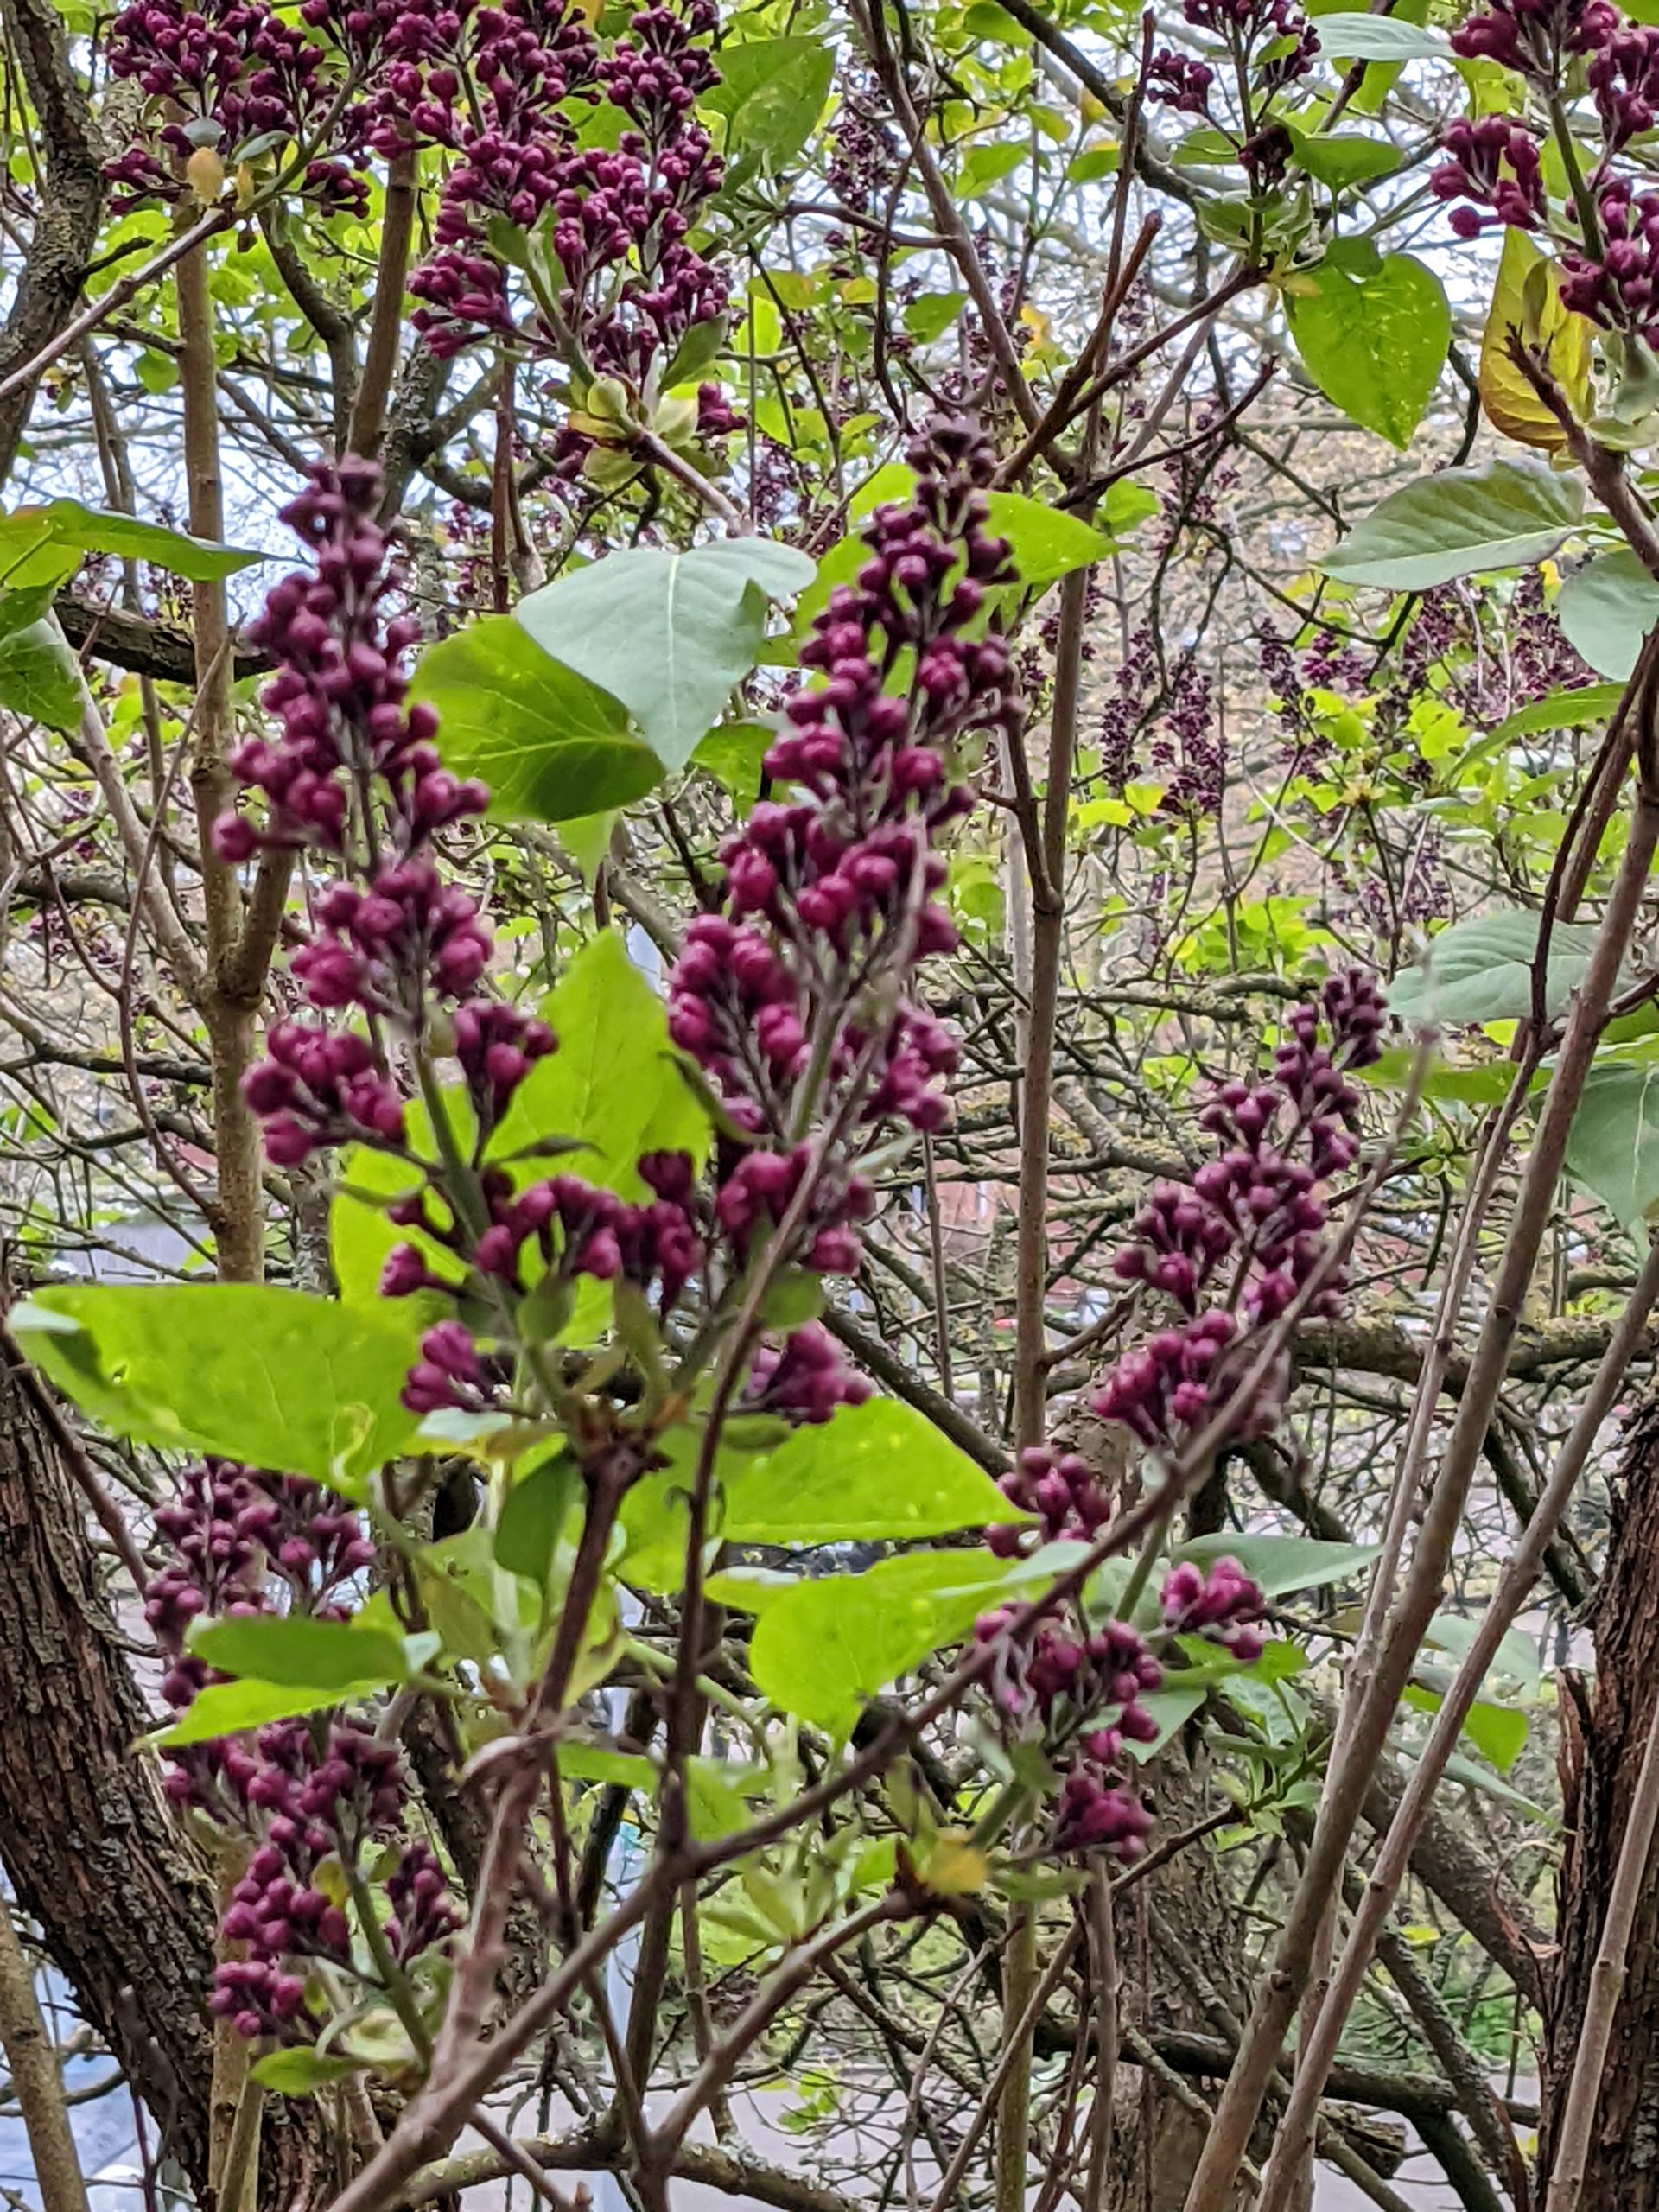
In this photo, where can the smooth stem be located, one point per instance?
(1282, 1988)
(1046, 868)
(1607, 1981)
(1013, 2110)
(1589, 220)
(238, 1211)
(36, 2079)
(1394, 1858)
(1103, 2111)
(368, 421)
(393, 1979)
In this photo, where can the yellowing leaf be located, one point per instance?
(955, 1867)
(1528, 299)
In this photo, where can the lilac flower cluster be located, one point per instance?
(1224, 1606)
(1235, 1247)
(1538, 38)
(238, 1540)
(311, 1812)
(803, 1381)
(609, 225)
(1609, 256)
(571, 1229)
(1188, 753)
(865, 163)
(1271, 41)
(1618, 287)
(241, 80)
(1332, 662)
(1081, 1693)
(1061, 1687)
(1496, 162)
(355, 772)
(1063, 1494)
(802, 980)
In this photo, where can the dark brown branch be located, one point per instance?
(129, 641)
(72, 201)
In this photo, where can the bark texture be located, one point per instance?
(66, 225)
(1604, 1723)
(92, 1849)
(94, 1853)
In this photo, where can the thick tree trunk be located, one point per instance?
(1605, 1723)
(1180, 1951)
(93, 1851)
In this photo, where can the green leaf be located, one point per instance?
(984, 166)
(613, 1084)
(1098, 162)
(155, 370)
(551, 746)
(1376, 38)
(929, 317)
(1481, 969)
(29, 553)
(1497, 1731)
(299, 1652)
(586, 838)
(1471, 1776)
(1127, 505)
(1171, 1708)
(733, 754)
(1517, 1661)
(1282, 1564)
(876, 1470)
(1591, 703)
(696, 353)
(1613, 1146)
(231, 1709)
(18, 608)
(530, 1521)
(1473, 1082)
(1499, 516)
(299, 2070)
(1046, 543)
(1346, 158)
(1373, 340)
(821, 1647)
(669, 634)
(244, 1370)
(89, 530)
(40, 677)
(1605, 609)
(771, 93)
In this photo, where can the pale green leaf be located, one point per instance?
(669, 634)
(551, 746)
(1499, 516)
(244, 1371)
(1481, 969)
